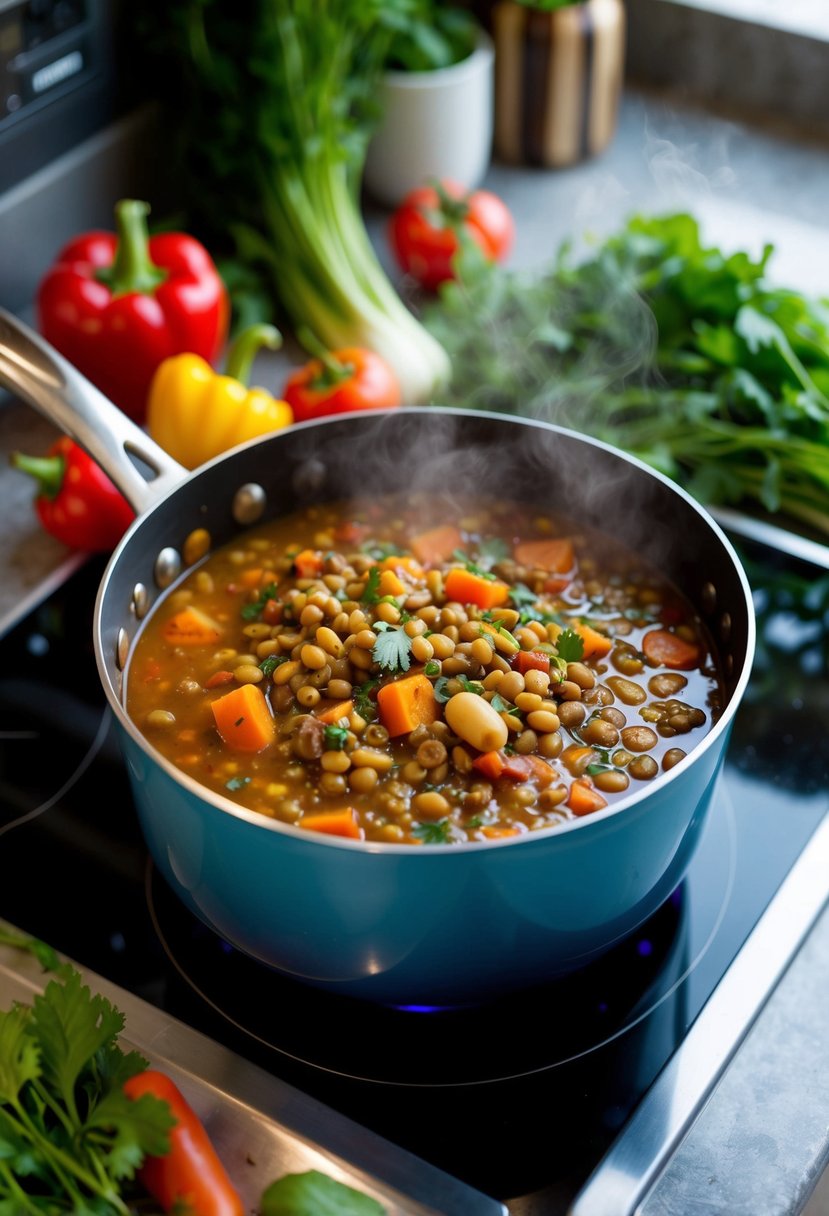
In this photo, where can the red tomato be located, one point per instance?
(347, 380)
(423, 231)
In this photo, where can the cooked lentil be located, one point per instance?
(397, 713)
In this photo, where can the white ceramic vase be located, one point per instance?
(436, 124)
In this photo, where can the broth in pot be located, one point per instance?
(369, 670)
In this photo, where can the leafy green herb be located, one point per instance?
(432, 35)
(316, 1194)
(270, 664)
(468, 564)
(432, 668)
(237, 783)
(521, 595)
(676, 352)
(72, 1139)
(468, 685)
(364, 703)
(251, 612)
(594, 769)
(370, 592)
(335, 737)
(44, 953)
(434, 832)
(570, 646)
(392, 648)
(504, 707)
(491, 550)
(380, 550)
(440, 689)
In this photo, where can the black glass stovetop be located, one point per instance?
(520, 1097)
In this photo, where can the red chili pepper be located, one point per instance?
(76, 501)
(339, 382)
(190, 1179)
(117, 304)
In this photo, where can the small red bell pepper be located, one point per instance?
(117, 304)
(190, 1180)
(76, 502)
(339, 382)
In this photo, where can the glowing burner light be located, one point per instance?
(644, 947)
(423, 1008)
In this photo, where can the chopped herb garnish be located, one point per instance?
(269, 665)
(477, 821)
(237, 783)
(440, 689)
(392, 648)
(335, 737)
(364, 704)
(432, 833)
(570, 646)
(432, 668)
(491, 551)
(380, 549)
(470, 685)
(468, 564)
(251, 611)
(521, 595)
(370, 595)
(503, 707)
(239, 721)
(496, 622)
(594, 769)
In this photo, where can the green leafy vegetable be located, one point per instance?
(237, 783)
(335, 737)
(492, 550)
(434, 832)
(570, 646)
(292, 96)
(370, 593)
(364, 703)
(71, 1139)
(251, 612)
(392, 648)
(468, 564)
(678, 353)
(270, 664)
(432, 668)
(316, 1194)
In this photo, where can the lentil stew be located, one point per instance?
(369, 670)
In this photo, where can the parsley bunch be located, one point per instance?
(675, 352)
(70, 1138)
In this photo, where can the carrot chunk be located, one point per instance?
(494, 833)
(308, 563)
(526, 768)
(596, 644)
(390, 584)
(405, 704)
(583, 799)
(402, 561)
(436, 545)
(491, 764)
(661, 646)
(243, 719)
(251, 578)
(553, 555)
(532, 660)
(469, 588)
(335, 712)
(218, 678)
(335, 823)
(191, 627)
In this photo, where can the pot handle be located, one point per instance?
(34, 370)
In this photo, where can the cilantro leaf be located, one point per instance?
(521, 595)
(335, 737)
(432, 668)
(503, 707)
(69, 1025)
(270, 664)
(570, 646)
(468, 685)
(237, 783)
(439, 689)
(364, 703)
(392, 648)
(468, 564)
(370, 592)
(250, 612)
(491, 551)
(434, 832)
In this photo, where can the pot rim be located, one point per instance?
(216, 801)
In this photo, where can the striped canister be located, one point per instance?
(558, 78)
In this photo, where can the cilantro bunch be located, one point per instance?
(70, 1138)
(673, 351)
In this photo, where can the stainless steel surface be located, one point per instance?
(44, 379)
(631, 1168)
(772, 535)
(261, 1127)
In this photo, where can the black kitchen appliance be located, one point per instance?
(521, 1097)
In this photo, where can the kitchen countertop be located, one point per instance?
(763, 1138)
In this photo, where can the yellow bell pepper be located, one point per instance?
(196, 413)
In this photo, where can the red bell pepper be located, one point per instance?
(76, 501)
(339, 382)
(190, 1179)
(117, 304)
